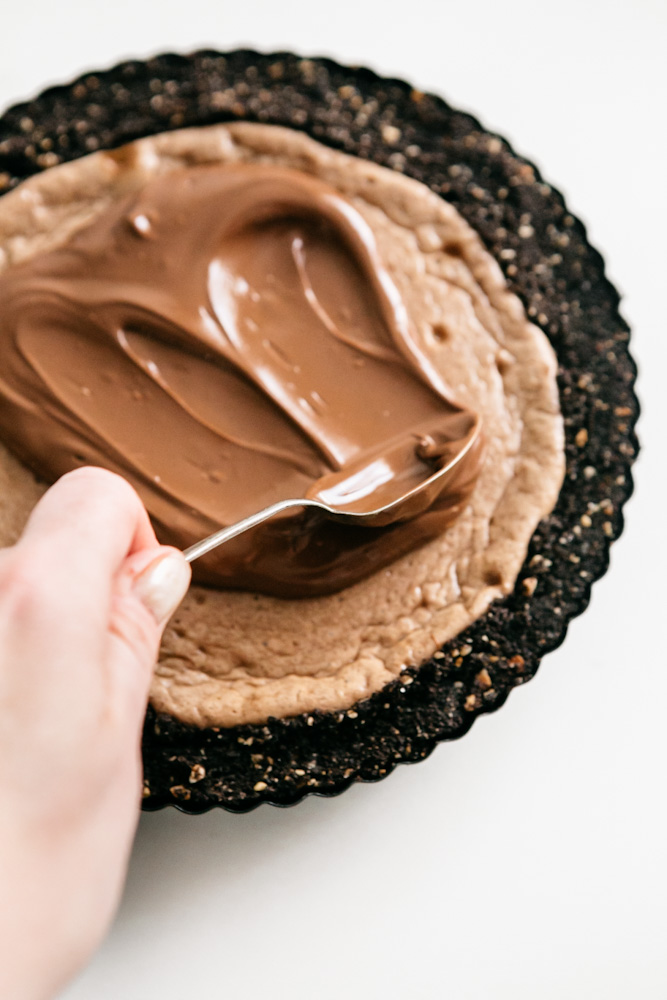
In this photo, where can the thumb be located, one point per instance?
(147, 590)
(159, 579)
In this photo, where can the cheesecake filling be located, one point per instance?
(226, 339)
(467, 349)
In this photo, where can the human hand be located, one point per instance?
(84, 596)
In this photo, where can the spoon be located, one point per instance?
(365, 492)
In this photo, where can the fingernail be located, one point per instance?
(163, 585)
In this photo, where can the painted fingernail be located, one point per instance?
(163, 585)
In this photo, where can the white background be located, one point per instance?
(527, 861)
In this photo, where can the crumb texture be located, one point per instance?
(234, 657)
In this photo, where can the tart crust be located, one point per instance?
(560, 279)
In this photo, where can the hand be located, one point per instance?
(84, 596)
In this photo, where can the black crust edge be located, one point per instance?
(552, 268)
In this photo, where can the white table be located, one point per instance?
(527, 861)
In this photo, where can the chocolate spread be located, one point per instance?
(225, 339)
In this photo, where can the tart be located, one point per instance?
(547, 263)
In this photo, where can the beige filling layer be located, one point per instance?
(231, 657)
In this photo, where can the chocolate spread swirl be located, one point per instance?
(225, 339)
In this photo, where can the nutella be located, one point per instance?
(225, 339)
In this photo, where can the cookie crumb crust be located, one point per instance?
(547, 261)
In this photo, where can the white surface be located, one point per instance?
(527, 861)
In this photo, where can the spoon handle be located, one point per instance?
(224, 535)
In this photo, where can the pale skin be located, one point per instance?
(84, 596)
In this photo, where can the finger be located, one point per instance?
(159, 580)
(148, 589)
(80, 533)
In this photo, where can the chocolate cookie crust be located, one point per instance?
(547, 262)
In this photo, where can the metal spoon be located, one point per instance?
(363, 496)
